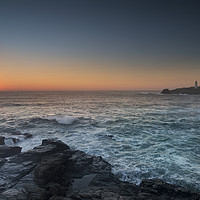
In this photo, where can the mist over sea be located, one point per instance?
(142, 134)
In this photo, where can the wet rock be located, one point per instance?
(17, 173)
(158, 189)
(2, 140)
(15, 140)
(128, 189)
(27, 135)
(14, 132)
(60, 146)
(48, 147)
(20, 193)
(2, 161)
(106, 180)
(54, 171)
(84, 182)
(6, 151)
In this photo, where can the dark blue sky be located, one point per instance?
(142, 31)
(152, 29)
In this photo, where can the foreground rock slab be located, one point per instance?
(54, 171)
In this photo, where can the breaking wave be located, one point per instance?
(61, 119)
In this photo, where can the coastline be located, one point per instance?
(56, 172)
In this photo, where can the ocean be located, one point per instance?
(141, 134)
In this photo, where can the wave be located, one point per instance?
(150, 93)
(21, 104)
(15, 137)
(12, 104)
(61, 119)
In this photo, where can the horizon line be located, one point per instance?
(76, 90)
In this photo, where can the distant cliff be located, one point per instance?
(189, 90)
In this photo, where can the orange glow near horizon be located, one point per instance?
(69, 74)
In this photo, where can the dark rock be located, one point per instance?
(166, 91)
(59, 198)
(2, 140)
(27, 135)
(128, 189)
(11, 140)
(55, 190)
(15, 140)
(60, 146)
(2, 161)
(84, 182)
(125, 198)
(16, 133)
(158, 189)
(109, 195)
(75, 197)
(54, 171)
(106, 180)
(6, 151)
(17, 177)
(48, 147)
(50, 169)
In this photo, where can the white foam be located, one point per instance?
(61, 119)
(9, 142)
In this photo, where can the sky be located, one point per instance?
(99, 44)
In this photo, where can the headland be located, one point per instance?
(189, 90)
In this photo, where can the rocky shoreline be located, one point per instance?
(54, 171)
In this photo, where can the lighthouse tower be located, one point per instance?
(196, 85)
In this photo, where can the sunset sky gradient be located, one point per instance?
(99, 44)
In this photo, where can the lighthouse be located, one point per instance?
(196, 85)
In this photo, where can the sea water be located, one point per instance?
(142, 134)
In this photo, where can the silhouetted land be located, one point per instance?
(189, 90)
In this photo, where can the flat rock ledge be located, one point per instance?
(53, 171)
